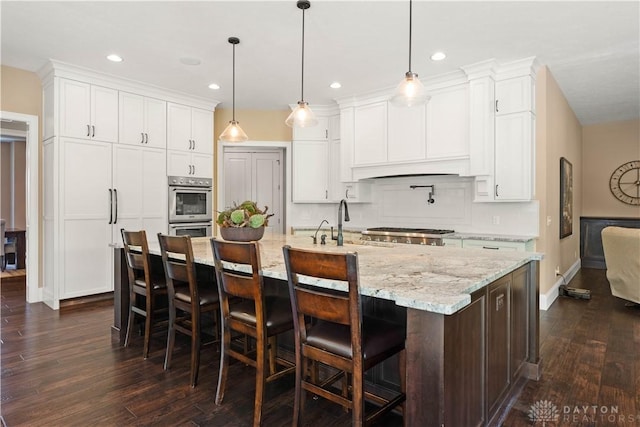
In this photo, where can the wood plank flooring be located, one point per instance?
(65, 368)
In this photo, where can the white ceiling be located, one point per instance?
(591, 48)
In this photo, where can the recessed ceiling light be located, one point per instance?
(335, 85)
(214, 86)
(438, 56)
(190, 61)
(115, 58)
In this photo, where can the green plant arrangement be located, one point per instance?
(247, 214)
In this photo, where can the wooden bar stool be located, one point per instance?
(142, 282)
(339, 336)
(251, 313)
(188, 299)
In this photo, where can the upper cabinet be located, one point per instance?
(319, 132)
(143, 121)
(189, 129)
(88, 111)
(503, 136)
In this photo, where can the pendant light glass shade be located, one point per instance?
(302, 116)
(410, 92)
(233, 132)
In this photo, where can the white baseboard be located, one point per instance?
(547, 299)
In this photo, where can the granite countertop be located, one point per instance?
(438, 279)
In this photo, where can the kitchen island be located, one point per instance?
(471, 316)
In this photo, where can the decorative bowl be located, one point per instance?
(241, 234)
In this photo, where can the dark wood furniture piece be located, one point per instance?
(338, 336)
(147, 287)
(19, 235)
(591, 252)
(189, 299)
(248, 311)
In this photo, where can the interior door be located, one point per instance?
(256, 175)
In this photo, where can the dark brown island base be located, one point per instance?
(471, 318)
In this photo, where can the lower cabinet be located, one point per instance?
(498, 348)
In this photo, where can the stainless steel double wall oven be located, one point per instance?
(190, 206)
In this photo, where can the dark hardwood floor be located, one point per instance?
(65, 368)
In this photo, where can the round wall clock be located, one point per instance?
(625, 183)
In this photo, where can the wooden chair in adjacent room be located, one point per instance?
(143, 284)
(339, 337)
(189, 299)
(248, 311)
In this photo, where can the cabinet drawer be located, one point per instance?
(491, 244)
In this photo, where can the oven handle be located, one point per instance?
(190, 225)
(191, 190)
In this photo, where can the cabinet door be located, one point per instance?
(310, 171)
(318, 132)
(85, 228)
(237, 178)
(179, 163)
(370, 134)
(155, 122)
(104, 114)
(448, 123)
(127, 183)
(178, 127)
(493, 245)
(514, 95)
(406, 133)
(514, 157)
(202, 165)
(75, 109)
(498, 310)
(202, 130)
(131, 121)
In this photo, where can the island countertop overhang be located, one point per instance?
(429, 278)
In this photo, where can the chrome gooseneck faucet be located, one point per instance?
(315, 236)
(340, 238)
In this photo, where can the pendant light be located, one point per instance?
(233, 132)
(410, 91)
(302, 116)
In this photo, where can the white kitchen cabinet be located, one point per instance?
(310, 171)
(88, 111)
(184, 163)
(318, 132)
(514, 95)
(497, 245)
(447, 123)
(189, 129)
(370, 134)
(143, 121)
(514, 156)
(406, 139)
(139, 180)
(86, 217)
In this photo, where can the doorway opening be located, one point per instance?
(23, 203)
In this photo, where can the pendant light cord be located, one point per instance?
(302, 88)
(410, 25)
(233, 85)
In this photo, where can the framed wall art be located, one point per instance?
(566, 198)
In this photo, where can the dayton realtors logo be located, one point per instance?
(544, 411)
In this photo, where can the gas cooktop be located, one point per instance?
(416, 236)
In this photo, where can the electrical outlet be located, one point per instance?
(557, 270)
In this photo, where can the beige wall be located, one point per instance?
(259, 125)
(558, 134)
(605, 147)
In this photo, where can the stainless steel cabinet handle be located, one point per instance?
(115, 196)
(490, 247)
(496, 190)
(93, 131)
(146, 138)
(142, 135)
(88, 130)
(326, 194)
(326, 133)
(194, 169)
(110, 206)
(194, 144)
(497, 106)
(346, 194)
